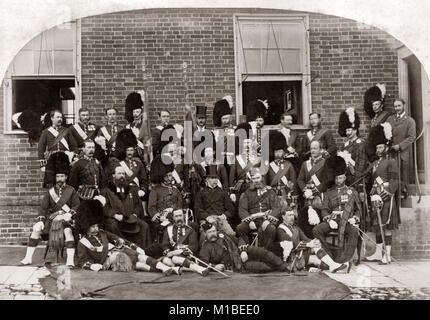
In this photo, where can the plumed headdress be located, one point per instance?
(348, 119)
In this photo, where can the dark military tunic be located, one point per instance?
(223, 138)
(109, 132)
(174, 236)
(379, 118)
(253, 201)
(163, 197)
(214, 201)
(87, 172)
(259, 200)
(325, 138)
(89, 132)
(47, 139)
(67, 196)
(312, 168)
(357, 150)
(386, 168)
(215, 252)
(281, 173)
(340, 204)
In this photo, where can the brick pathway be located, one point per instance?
(22, 283)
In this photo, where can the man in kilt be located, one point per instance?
(384, 187)
(56, 213)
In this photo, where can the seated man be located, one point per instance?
(213, 203)
(123, 210)
(179, 243)
(99, 249)
(221, 252)
(57, 208)
(298, 250)
(341, 210)
(259, 211)
(164, 198)
(312, 182)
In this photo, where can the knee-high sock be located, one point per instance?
(143, 266)
(70, 252)
(31, 247)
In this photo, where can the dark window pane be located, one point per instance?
(282, 96)
(43, 95)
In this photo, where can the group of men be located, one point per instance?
(126, 198)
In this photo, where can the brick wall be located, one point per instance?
(127, 51)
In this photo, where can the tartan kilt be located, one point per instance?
(47, 227)
(394, 222)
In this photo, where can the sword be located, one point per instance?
(208, 265)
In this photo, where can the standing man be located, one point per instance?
(224, 131)
(281, 175)
(164, 119)
(404, 134)
(374, 105)
(341, 210)
(353, 150)
(110, 130)
(134, 117)
(385, 184)
(320, 134)
(256, 111)
(290, 136)
(54, 139)
(164, 197)
(87, 175)
(312, 182)
(84, 129)
(58, 207)
(200, 132)
(259, 209)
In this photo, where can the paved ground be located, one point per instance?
(399, 280)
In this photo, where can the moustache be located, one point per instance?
(212, 238)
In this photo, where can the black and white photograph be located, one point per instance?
(196, 151)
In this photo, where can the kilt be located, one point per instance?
(394, 216)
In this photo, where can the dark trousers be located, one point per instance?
(265, 238)
(303, 221)
(346, 252)
(261, 260)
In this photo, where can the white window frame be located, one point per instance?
(9, 77)
(304, 77)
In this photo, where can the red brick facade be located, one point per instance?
(119, 50)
